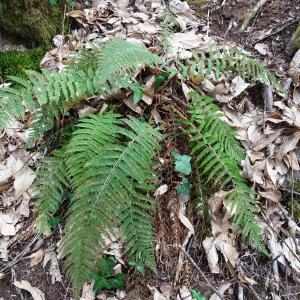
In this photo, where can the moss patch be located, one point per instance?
(15, 63)
(35, 22)
(198, 6)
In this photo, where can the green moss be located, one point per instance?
(33, 21)
(198, 6)
(15, 62)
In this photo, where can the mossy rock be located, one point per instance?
(35, 22)
(15, 63)
(296, 38)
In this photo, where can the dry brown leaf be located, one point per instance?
(271, 172)
(87, 291)
(23, 180)
(136, 108)
(291, 253)
(273, 195)
(211, 255)
(289, 145)
(7, 227)
(36, 293)
(263, 142)
(216, 201)
(254, 155)
(37, 257)
(224, 287)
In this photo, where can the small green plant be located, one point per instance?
(105, 279)
(140, 268)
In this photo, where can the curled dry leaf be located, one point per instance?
(36, 293)
(37, 257)
(222, 289)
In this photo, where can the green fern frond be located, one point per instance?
(108, 165)
(50, 187)
(220, 60)
(167, 25)
(50, 95)
(121, 57)
(217, 155)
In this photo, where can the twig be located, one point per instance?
(241, 293)
(201, 273)
(251, 14)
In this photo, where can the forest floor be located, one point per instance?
(29, 256)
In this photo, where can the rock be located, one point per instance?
(294, 43)
(33, 21)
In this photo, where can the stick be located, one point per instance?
(268, 97)
(251, 14)
(201, 273)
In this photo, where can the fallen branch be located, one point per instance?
(251, 14)
(201, 273)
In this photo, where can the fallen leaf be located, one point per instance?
(7, 227)
(271, 194)
(263, 49)
(289, 145)
(224, 287)
(36, 293)
(263, 142)
(291, 254)
(36, 257)
(161, 190)
(211, 255)
(87, 291)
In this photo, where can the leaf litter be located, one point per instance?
(270, 139)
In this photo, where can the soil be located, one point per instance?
(275, 15)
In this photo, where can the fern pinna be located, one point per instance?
(224, 59)
(49, 95)
(217, 155)
(108, 166)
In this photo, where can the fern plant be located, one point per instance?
(217, 155)
(108, 166)
(218, 61)
(49, 95)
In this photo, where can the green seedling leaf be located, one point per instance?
(139, 267)
(198, 295)
(105, 278)
(184, 188)
(182, 163)
(160, 78)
